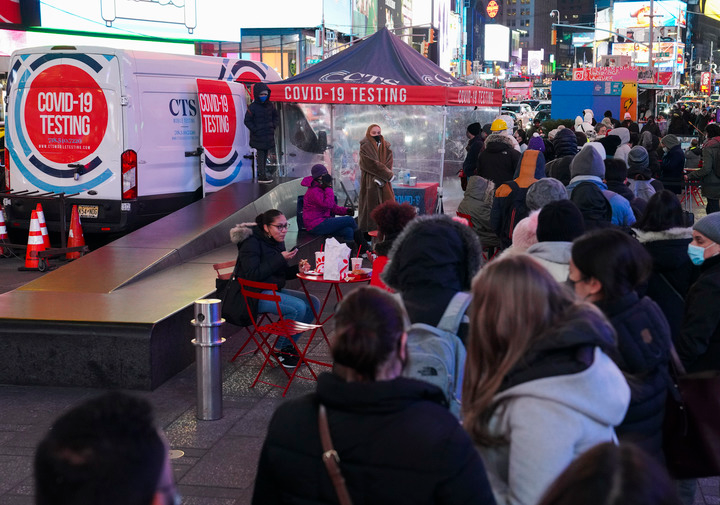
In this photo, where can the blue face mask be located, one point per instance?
(697, 254)
(263, 98)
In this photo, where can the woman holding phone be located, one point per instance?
(263, 258)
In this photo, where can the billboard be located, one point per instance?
(637, 14)
(364, 17)
(497, 43)
(535, 62)
(712, 9)
(10, 12)
(665, 54)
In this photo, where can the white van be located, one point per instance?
(122, 130)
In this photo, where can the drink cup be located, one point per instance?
(356, 263)
(319, 262)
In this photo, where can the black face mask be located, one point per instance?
(378, 138)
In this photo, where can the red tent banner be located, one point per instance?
(367, 94)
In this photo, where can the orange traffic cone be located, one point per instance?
(35, 244)
(76, 238)
(3, 232)
(43, 226)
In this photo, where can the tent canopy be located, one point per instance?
(381, 70)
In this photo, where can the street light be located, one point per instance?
(554, 40)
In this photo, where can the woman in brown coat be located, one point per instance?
(376, 161)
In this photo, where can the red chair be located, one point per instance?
(224, 272)
(283, 327)
(467, 217)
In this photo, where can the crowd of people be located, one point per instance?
(585, 275)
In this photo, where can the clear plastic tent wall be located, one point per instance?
(428, 141)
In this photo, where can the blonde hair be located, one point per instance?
(515, 304)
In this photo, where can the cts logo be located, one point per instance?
(183, 107)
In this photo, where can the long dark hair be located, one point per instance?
(663, 212)
(267, 217)
(614, 258)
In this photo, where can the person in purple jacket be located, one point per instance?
(320, 209)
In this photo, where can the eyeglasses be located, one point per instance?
(281, 227)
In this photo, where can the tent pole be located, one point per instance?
(439, 209)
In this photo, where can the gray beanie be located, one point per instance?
(638, 162)
(670, 141)
(544, 191)
(587, 162)
(709, 226)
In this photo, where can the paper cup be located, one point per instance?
(356, 263)
(319, 262)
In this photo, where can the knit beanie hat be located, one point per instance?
(638, 162)
(587, 162)
(627, 116)
(560, 221)
(486, 129)
(536, 142)
(709, 226)
(670, 141)
(318, 171)
(474, 129)
(544, 191)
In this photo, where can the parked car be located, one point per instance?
(543, 115)
(531, 102)
(523, 112)
(543, 105)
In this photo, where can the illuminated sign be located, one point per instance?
(492, 8)
(637, 14)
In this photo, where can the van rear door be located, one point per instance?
(65, 132)
(226, 154)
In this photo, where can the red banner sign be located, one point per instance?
(343, 93)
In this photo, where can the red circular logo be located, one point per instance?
(217, 111)
(66, 114)
(492, 8)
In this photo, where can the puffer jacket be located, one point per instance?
(562, 398)
(474, 147)
(672, 272)
(565, 147)
(651, 142)
(706, 174)
(498, 161)
(477, 203)
(643, 355)
(396, 441)
(260, 258)
(319, 203)
(261, 119)
(673, 164)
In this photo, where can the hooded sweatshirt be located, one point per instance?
(553, 416)
(624, 149)
(565, 146)
(319, 203)
(498, 161)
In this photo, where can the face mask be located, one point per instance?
(377, 138)
(697, 254)
(263, 98)
(665, 149)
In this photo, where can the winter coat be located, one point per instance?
(432, 259)
(711, 159)
(622, 214)
(672, 271)
(651, 142)
(319, 203)
(498, 161)
(477, 203)
(677, 125)
(382, 249)
(554, 256)
(565, 148)
(651, 127)
(564, 397)
(396, 441)
(644, 342)
(621, 153)
(529, 170)
(641, 189)
(699, 342)
(473, 148)
(673, 164)
(693, 157)
(260, 258)
(376, 162)
(701, 121)
(261, 119)
(595, 208)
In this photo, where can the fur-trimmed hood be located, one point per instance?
(431, 251)
(241, 232)
(497, 142)
(670, 234)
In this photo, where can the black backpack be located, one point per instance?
(593, 205)
(512, 210)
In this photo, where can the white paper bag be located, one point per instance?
(337, 258)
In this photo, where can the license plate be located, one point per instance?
(90, 211)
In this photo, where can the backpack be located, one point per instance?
(593, 204)
(437, 355)
(513, 210)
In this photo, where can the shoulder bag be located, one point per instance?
(331, 458)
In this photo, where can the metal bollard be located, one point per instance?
(207, 343)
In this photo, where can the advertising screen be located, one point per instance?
(637, 14)
(712, 8)
(497, 43)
